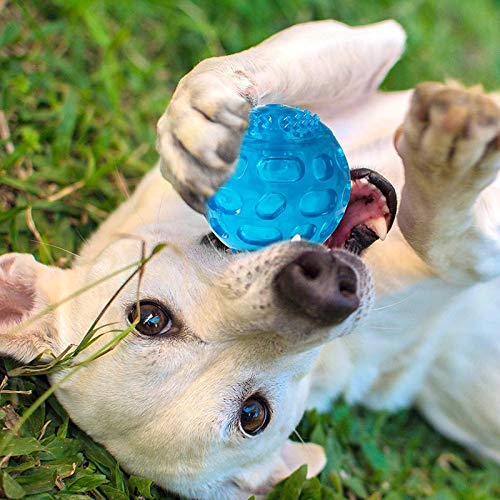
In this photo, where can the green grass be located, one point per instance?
(82, 84)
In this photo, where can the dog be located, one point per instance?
(229, 349)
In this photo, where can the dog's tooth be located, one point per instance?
(379, 226)
(363, 181)
(296, 238)
(385, 209)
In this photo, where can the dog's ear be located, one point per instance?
(27, 290)
(296, 454)
(291, 456)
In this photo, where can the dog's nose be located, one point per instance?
(319, 285)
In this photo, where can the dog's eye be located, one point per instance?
(254, 416)
(153, 318)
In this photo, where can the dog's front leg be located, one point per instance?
(450, 208)
(199, 135)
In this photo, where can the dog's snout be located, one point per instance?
(319, 285)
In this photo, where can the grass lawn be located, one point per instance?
(82, 84)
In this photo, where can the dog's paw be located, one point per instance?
(200, 133)
(450, 140)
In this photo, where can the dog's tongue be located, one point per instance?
(369, 214)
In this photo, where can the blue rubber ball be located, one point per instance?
(292, 177)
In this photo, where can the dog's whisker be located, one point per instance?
(366, 324)
(58, 248)
(80, 235)
(121, 183)
(158, 212)
(296, 433)
(213, 274)
(207, 274)
(382, 328)
(388, 306)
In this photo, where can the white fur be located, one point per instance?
(163, 408)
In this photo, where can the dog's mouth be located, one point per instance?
(369, 215)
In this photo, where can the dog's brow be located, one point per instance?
(244, 389)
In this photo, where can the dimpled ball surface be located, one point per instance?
(292, 178)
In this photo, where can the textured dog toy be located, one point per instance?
(292, 178)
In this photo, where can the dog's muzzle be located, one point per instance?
(319, 285)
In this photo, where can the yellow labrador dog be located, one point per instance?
(231, 348)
